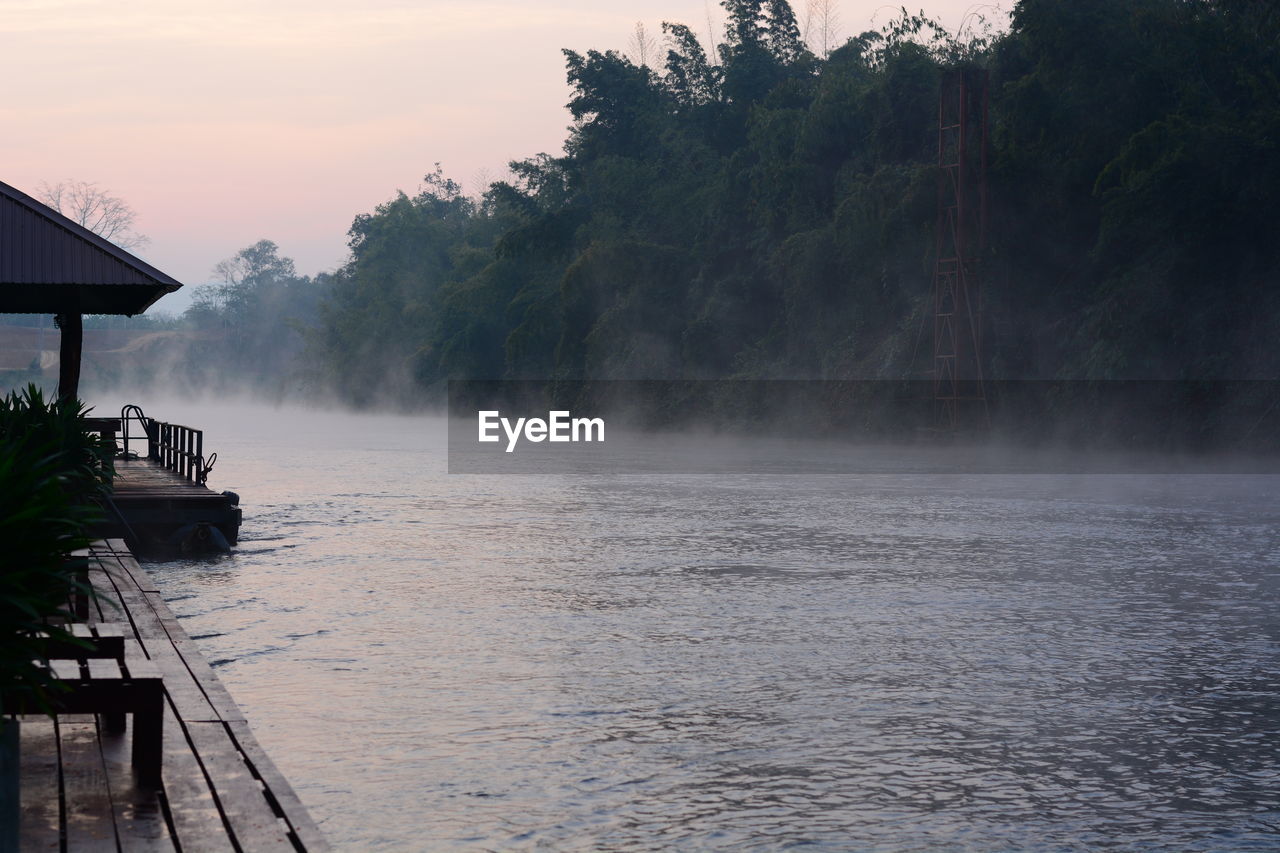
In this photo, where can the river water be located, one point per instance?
(895, 662)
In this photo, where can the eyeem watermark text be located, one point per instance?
(559, 426)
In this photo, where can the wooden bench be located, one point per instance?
(107, 427)
(101, 640)
(113, 688)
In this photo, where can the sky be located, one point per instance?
(228, 121)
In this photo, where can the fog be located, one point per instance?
(936, 493)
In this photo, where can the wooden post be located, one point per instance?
(72, 326)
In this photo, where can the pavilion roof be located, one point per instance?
(52, 265)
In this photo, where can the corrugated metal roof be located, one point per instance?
(50, 264)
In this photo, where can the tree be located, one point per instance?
(480, 183)
(772, 215)
(85, 203)
(783, 36)
(250, 323)
(689, 76)
(641, 49)
(761, 48)
(822, 26)
(614, 102)
(257, 264)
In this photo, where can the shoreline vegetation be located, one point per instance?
(760, 212)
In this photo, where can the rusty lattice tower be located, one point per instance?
(959, 392)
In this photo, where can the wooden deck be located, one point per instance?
(155, 501)
(218, 791)
(142, 479)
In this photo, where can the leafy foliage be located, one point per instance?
(51, 474)
(754, 210)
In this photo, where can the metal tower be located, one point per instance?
(959, 393)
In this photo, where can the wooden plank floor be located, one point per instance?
(142, 478)
(219, 791)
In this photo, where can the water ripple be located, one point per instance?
(718, 662)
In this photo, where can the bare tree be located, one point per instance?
(642, 49)
(711, 32)
(480, 183)
(96, 209)
(821, 26)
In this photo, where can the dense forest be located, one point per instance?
(755, 210)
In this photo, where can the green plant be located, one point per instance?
(51, 474)
(30, 424)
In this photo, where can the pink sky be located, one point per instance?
(229, 121)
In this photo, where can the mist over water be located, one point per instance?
(897, 661)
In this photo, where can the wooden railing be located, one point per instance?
(178, 448)
(174, 446)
